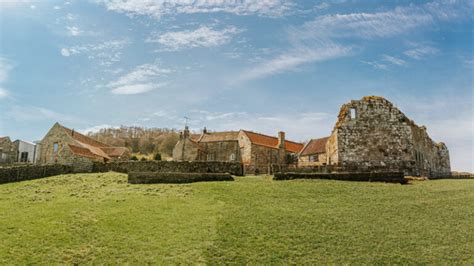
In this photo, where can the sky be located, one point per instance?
(266, 65)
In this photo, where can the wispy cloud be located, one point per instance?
(294, 58)
(201, 37)
(5, 68)
(326, 37)
(106, 52)
(33, 113)
(157, 9)
(421, 51)
(394, 60)
(143, 78)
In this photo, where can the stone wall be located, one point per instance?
(222, 151)
(389, 177)
(373, 133)
(175, 178)
(22, 173)
(234, 168)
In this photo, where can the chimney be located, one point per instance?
(281, 140)
(72, 133)
(186, 132)
(204, 131)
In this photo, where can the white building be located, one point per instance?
(26, 151)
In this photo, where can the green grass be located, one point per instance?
(99, 218)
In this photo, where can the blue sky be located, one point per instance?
(265, 65)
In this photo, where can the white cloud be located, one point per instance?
(294, 58)
(73, 31)
(33, 113)
(157, 9)
(143, 78)
(5, 68)
(202, 37)
(3, 93)
(106, 52)
(394, 60)
(376, 65)
(326, 37)
(134, 89)
(420, 51)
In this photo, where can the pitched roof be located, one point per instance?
(219, 136)
(272, 142)
(91, 148)
(315, 146)
(84, 139)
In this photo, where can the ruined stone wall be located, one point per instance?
(223, 151)
(373, 133)
(185, 150)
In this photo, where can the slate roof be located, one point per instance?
(272, 142)
(315, 146)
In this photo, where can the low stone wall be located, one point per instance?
(22, 173)
(234, 168)
(390, 177)
(175, 178)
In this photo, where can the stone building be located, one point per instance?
(372, 133)
(65, 146)
(313, 153)
(256, 151)
(7, 151)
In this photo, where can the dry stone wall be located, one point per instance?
(234, 168)
(22, 173)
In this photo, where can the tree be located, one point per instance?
(134, 158)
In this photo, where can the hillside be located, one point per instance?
(99, 218)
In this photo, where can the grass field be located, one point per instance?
(98, 218)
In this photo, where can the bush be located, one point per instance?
(133, 158)
(143, 159)
(157, 157)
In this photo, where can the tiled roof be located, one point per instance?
(84, 139)
(85, 152)
(89, 147)
(272, 142)
(315, 146)
(219, 136)
(195, 137)
(115, 151)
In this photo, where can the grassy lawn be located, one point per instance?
(98, 218)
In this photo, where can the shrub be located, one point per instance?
(143, 159)
(133, 158)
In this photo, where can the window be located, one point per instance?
(55, 147)
(24, 157)
(353, 113)
(314, 158)
(232, 157)
(210, 157)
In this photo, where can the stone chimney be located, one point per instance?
(186, 132)
(281, 140)
(204, 131)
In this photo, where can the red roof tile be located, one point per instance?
(315, 146)
(272, 142)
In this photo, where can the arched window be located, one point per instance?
(232, 157)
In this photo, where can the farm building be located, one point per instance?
(256, 151)
(66, 146)
(7, 151)
(313, 153)
(26, 151)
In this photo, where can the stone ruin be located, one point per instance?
(372, 134)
